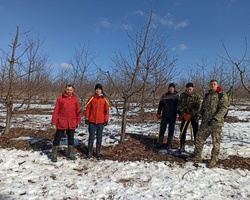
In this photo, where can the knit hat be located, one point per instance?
(171, 85)
(190, 85)
(98, 86)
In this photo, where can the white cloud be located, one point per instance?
(104, 22)
(139, 12)
(127, 27)
(182, 24)
(65, 65)
(183, 47)
(169, 21)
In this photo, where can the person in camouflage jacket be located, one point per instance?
(189, 106)
(212, 112)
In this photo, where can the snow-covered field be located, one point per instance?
(28, 175)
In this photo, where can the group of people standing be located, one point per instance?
(188, 105)
(67, 117)
(191, 108)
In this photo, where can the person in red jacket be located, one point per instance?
(66, 117)
(96, 117)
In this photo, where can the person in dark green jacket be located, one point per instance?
(189, 106)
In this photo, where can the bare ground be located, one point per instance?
(135, 148)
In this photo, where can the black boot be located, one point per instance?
(160, 143)
(182, 148)
(98, 148)
(169, 142)
(90, 151)
(54, 154)
(71, 153)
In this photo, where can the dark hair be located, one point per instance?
(70, 85)
(98, 86)
(171, 85)
(190, 85)
(213, 80)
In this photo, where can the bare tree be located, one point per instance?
(242, 65)
(14, 83)
(142, 71)
(8, 99)
(157, 68)
(83, 72)
(37, 70)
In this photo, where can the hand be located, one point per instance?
(86, 121)
(211, 122)
(186, 116)
(78, 125)
(53, 126)
(105, 123)
(158, 116)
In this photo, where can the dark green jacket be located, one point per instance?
(189, 103)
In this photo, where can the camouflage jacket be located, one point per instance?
(168, 105)
(189, 103)
(214, 107)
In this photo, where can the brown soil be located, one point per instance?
(135, 148)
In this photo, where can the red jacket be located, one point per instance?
(97, 110)
(67, 112)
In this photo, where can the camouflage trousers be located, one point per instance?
(203, 133)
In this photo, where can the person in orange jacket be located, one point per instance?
(96, 117)
(66, 117)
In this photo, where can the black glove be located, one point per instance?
(86, 121)
(211, 122)
(105, 123)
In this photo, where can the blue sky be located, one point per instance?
(195, 27)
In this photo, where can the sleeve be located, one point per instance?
(88, 106)
(78, 112)
(202, 109)
(196, 105)
(106, 110)
(55, 112)
(160, 106)
(179, 107)
(222, 107)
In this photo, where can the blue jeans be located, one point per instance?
(98, 129)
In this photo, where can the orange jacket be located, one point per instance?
(97, 110)
(67, 112)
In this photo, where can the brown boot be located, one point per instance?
(212, 164)
(196, 159)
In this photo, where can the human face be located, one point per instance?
(213, 85)
(171, 89)
(69, 90)
(189, 90)
(98, 91)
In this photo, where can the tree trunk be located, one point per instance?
(124, 121)
(8, 117)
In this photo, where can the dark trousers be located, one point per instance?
(95, 129)
(195, 126)
(60, 133)
(171, 124)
